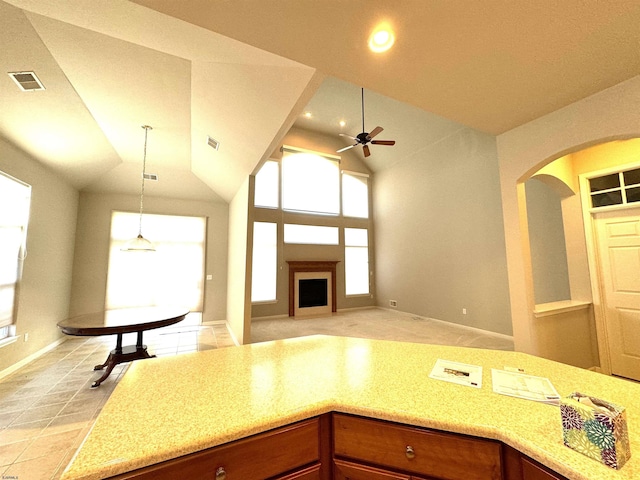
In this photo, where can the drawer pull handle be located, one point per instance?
(221, 474)
(409, 452)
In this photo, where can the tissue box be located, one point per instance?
(596, 428)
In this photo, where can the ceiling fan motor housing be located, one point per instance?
(363, 138)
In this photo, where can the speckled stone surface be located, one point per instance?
(167, 407)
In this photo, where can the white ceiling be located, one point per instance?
(244, 71)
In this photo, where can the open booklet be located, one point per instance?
(460, 373)
(524, 386)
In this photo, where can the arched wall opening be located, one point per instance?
(561, 251)
(592, 125)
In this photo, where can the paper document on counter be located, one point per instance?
(460, 373)
(524, 386)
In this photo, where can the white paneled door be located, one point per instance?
(618, 236)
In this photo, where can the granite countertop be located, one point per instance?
(167, 407)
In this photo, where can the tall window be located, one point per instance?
(15, 198)
(356, 261)
(310, 182)
(355, 194)
(304, 183)
(265, 262)
(172, 275)
(267, 185)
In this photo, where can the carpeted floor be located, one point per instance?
(381, 324)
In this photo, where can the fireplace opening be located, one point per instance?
(313, 292)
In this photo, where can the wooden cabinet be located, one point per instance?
(410, 450)
(346, 447)
(352, 471)
(288, 453)
(532, 471)
(311, 473)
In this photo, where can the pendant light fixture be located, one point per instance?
(141, 244)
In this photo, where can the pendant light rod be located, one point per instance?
(139, 243)
(362, 95)
(144, 169)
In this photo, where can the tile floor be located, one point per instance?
(47, 407)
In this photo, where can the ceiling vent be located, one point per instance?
(151, 176)
(213, 143)
(27, 81)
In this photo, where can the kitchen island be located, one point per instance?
(208, 399)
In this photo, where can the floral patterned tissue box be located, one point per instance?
(596, 428)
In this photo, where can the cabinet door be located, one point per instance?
(255, 458)
(311, 473)
(532, 471)
(423, 452)
(351, 471)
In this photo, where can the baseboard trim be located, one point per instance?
(25, 361)
(275, 317)
(466, 327)
(232, 335)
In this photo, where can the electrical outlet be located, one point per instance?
(393, 303)
(464, 311)
(26, 337)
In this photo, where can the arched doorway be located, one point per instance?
(602, 242)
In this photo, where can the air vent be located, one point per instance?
(27, 81)
(150, 176)
(213, 143)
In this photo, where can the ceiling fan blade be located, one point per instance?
(346, 148)
(375, 132)
(383, 142)
(365, 149)
(348, 136)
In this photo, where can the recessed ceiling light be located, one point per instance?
(342, 123)
(307, 114)
(381, 39)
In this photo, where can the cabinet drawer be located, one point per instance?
(311, 473)
(351, 471)
(255, 458)
(532, 471)
(442, 455)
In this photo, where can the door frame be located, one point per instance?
(593, 258)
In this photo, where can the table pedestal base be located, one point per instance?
(121, 355)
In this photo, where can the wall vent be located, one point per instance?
(213, 143)
(151, 176)
(27, 81)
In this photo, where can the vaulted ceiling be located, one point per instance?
(244, 71)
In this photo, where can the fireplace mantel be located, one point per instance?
(311, 266)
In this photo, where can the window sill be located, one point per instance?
(555, 308)
(265, 302)
(8, 341)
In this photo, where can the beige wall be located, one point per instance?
(92, 247)
(239, 271)
(611, 114)
(46, 282)
(547, 242)
(439, 236)
(317, 142)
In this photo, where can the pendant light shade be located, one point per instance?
(139, 243)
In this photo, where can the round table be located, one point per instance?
(118, 322)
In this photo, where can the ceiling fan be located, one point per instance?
(364, 138)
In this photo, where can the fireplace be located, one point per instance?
(313, 292)
(312, 287)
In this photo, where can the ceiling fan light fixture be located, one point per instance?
(381, 39)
